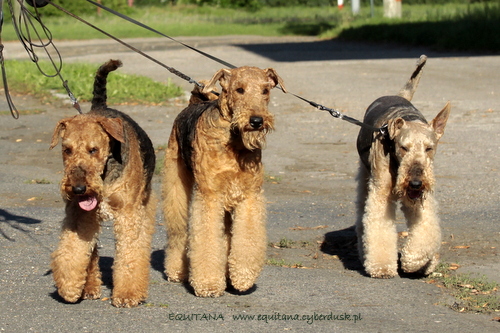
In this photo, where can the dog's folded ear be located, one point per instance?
(276, 79)
(114, 127)
(394, 126)
(58, 132)
(222, 75)
(439, 122)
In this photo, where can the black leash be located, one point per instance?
(333, 113)
(127, 18)
(25, 19)
(8, 98)
(170, 69)
(337, 114)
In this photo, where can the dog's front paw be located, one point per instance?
(422, 265)
(176, 276)
(242, 283)
(70, 295)
(91, 293)
(128, 299)
(382, 272)
(208, 292)
(242, 286)
(208, 289)
(121, 302)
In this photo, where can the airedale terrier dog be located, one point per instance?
(108, 165)
(398, 166)
(212, 184)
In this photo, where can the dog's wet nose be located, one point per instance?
(256, 122)
(79, 189)
(416, 184)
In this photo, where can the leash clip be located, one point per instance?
(72, 97)
(335, 113)
(383, 130)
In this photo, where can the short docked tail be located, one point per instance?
(409, 89)
(100, 96)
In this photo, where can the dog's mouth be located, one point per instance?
(414, 194)
(87, 202)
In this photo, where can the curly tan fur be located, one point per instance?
(396, 167)
(212, 184)
(108, 166)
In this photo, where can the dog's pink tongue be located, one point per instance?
(87, 203)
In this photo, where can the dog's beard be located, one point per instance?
(403, 189)
(412, 196)
(252, 139)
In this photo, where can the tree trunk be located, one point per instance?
(392, 8)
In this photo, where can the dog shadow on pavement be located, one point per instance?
(343, 244)
(15, 222)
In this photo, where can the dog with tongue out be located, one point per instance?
(108, 165)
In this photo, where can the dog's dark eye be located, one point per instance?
(265, 91)
(240, 91)
(92, 151)
(403, 148)
(67, 151)
(428, 149)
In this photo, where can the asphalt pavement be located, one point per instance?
(311, 165)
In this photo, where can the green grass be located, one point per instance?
(474, 293)
(285, 243)
(473, 27)
(24, 77)
(187, 21)
(283, 263)
(447, 27)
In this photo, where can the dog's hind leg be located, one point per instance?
(248, 242)
(177, 186)
(92, 289)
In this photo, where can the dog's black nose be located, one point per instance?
(256, 122)
(79, 189)
(415, 184)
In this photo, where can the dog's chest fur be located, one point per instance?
(215, 154)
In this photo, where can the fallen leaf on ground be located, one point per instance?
(309, 228)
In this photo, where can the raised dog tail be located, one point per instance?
(409, 89)
(100, 96)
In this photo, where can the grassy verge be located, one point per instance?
(473, 27)
(24, 77)
(467, 27)
(191, 21)
(473, 293)
(448, 27)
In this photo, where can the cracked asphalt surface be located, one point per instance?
(310, 163)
